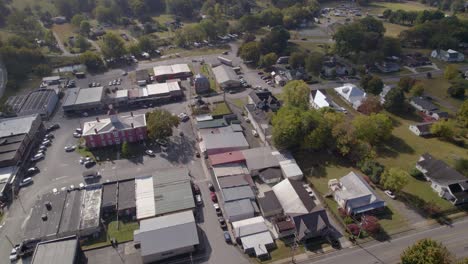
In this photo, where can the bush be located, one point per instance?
(342, 212)
(370, 224)
(353, 229)
(371, 168)
(431, 209)
(348, 220)
(461, 165)
(457, 90)
(416, 173)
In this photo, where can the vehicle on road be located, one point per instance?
(90, 174)
(32, 170)
(14, 254)
(46, 142)
(197, 154)
(89, 163)
(227, 237)
(183, 117)
(198, 199)
(53, 127)
(26, 182)
(214, 198)
(390, 194)
(69, 148)
(196, 189)
(222, 222)
(38, 157)
(149, 152)
(254, 133)
(76, 135)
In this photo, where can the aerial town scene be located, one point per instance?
(234, 132)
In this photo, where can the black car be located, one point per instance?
(211, 187)
(53, 127)
(90, 163)
(222, 222)
(227, 237)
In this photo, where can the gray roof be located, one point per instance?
(234, 180)
(269, 202)
(36, 228)
(439, 171)
(59, 251)
(260, 158)
(141, 75)
(237, 193)
(70, 222)
(126, 199)
(271, 173)
(172, 191)
(259, 115)
(167, 233)
(354, 186)
(80, 96)
(311, 224)
(38, 101)
(17, 125)
(239, 208)
(109, 194)
(225, 74)
(227, 140)
(91, 207)
(212, 123)
(424, 103)
(72, 94)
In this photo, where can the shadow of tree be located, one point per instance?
(316, 167)
(181, 150)
(393, 147)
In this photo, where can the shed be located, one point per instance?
(201, 84)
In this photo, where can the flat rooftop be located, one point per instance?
(60, 251)
(91, 207)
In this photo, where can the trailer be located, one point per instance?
(225, 61)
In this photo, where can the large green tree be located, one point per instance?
(113, 46)
(426, 251)
(160, 124)
(313, 63)
(394, 179)
(443, 129)
(268, 60)
(395, 100)
(372, 84)
(287, 127)
(373, 129)
(462, 115)
(296, 94)
(275, 41)
(250, 51)
(451, 72)
(92, 61)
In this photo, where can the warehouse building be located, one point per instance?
(168, 72)
(80, 100)
(167, 236)
(41, 102)
(126, 206)
(169, 89)
(59, 251)
(226, 77)
(226, 142)
(142, 77)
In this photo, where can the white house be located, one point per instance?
(421, 129)
(351, 94)
(448, 55)
(318, 99)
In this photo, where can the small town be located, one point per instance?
(250, 131)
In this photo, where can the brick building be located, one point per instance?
(114, 130)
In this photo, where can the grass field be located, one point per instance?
(378, 8)
(437, 87)
(308, 46)
(240, 102)
(65, 31)
(220, 109)
(393, 30)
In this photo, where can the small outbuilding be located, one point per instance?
(201, 84)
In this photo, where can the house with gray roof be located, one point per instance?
(237, 193)
(167, 236)
(446, 181)
(260, 158)
(253, 235)
(354, 194)
(351, 94)
(226, 77)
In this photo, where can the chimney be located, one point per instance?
(132, 125)
(131, 114)
(97, 119)
(95, 131)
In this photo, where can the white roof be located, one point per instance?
(16, 125)
(249, 226)
(121, 94)
(89, 95)
(321, 100)
(162, 88)
(258, 242)
(114, 123)
(144, 197)
(288, 198)
(351, 93)
(225, 74)
(353, 186)
(205, 117)
(166, 233)
(5, 173)
(290, 169)
(230, 169)
(171, 69)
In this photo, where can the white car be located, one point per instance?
(70, 148)
(183, 117)
(76, 135)
(38, 157)
(149, 152)
(81, 186)
(390, 194)
(26, 181)
(46, 142)
(54, 190)
(79, 130)
(13, 254)
(254, 133)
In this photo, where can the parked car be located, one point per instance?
(161, 142)
(38, 157)
(183, 117)
(197, 154)
(32, 170)
(254, 133)
(79, 130)
(211, 187)
(14, 254)
(390, 194)
(222, 222)
(49, 136)
(46, 142)
(149, 152)
(196, 189)
(69, 148)
(214, 198)
(198, 199)
(76, 135)
(227, 237)
(26, 182)
(53, 127)
(89, 163)
(42, 148)
(217, 209)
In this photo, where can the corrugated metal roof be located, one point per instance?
(89, 95)
(228, 140)
(228, 157)
(144, 197)
(17, 125)
(230, 169)
(62, 251)
(237, 193)
(240, 208)
(225, 74)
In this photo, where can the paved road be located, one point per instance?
(454, 238)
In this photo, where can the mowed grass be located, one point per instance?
(64, 31)
(306, 46)
(220, 109)
(282, 251)
(378, 8)
(437, 87)
(121, 231)
(393, 30)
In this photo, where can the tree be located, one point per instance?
(82, 44)
(313, 63)
(268, 60)
(112, 46)
(405, 83)
(461, 165)
(250, 51)
(370, 224)
(92, 61)
(297, 60)
(450, 72)
(443, 129)
(85, 28)
(426, 251)
(370, 105)
(395, 100)
(77, 19)
(391, 46)
(372, 84)
(457, 89)
(147, 44)
(371, 168)
(296, 94)
(125, 150)
(417, 89)
(43, 70)
(287, 130)
(462, 115)
(394, 179)
(160, 124)
(183, 8)
(275, 41)
(374, 128)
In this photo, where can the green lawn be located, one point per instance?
(378, 8)
(437, 87)
(121, 231)
(240, 102)
(220, 109)
(205, 69)
(306, 46)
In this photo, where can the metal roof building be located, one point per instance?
(167, 236)
(91, 210)
(59, 251)
(79, 99)
(239, 210)
(219, 143)
(175, 71)
(254, 235)
(41, 102)
(237, 193)
(126, 199)
(226, 77)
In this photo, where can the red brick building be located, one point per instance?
(114, 130)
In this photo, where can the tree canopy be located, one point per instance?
(296, 94)
(394, 179)
(372, 84)
(395, 100)
(374, 128)
(426, 251)
(113, 46)
(160, 124)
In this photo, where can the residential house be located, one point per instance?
(201, 84)
(284, 226)
(353, 194)
(421, 129)
(446, 181)
(351, 94)
(254, 237)
(167, 236)
(226, 158)
(385, 90)
(416, 60)
(114, 130)
(332, 69)
(425, 106)
(264, 100)
(318, 99)
(237, 193)
(448, 55)
(270, 175)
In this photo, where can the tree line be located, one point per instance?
(403, 17)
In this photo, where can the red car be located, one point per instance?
(214, 198)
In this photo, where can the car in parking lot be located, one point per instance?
(38, 157)
(89, 163)
(42, 148)
(183, 117)
(53, 127)
(46, 142)
(32, 170)
(217, 209)
(149, 152)
(198, 199)
(26, 182)
(254, 133)
(196, 189)
(49, 136)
